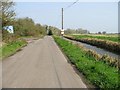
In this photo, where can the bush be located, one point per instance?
(8, 37)
(27, 27)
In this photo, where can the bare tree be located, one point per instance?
(8, 14)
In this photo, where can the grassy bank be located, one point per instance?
(113, 38)
(10, 48)
(97, 72)
(105, 44)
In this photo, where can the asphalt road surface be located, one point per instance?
(41, 64)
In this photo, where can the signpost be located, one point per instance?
(9, 29)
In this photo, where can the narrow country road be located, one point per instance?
(41, 64)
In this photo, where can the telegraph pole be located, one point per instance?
(62, 18)
(62, 29)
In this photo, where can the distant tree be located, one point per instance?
(55, 30)
(50, 32)
(68, 31)
(76, 31)
(104, 32)
(99, 32)
(88, 32)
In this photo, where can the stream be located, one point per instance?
(96, 49)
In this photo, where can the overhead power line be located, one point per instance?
(62, 28)
(71, 4)
(58, 20)
(65, 9)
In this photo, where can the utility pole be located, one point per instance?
(62, 18)
(62, 29)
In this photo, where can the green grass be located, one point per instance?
(11, 48)
(103, 37)
(97, 72)
(105, 44)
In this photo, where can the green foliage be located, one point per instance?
(97, 72)
(27, 27)
(24, 27)
(7, 17)
(7, 37)
(50, 32)
(12, 47)
(55, 31)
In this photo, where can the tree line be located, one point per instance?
(27, 27)
(22, 26)
(76, 31)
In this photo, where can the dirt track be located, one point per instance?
(41, 64)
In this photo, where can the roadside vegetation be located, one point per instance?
(54, 30)
(10, 48)
(99, 73)
(102, 43)
(24, 28)
(113, 62)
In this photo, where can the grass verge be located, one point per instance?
(12, 47)
(97, 72)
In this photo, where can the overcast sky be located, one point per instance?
(93, 16)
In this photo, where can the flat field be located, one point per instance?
(110, 37)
